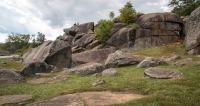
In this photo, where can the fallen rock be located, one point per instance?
(77, 49)
(162, 73)
(120, 58)
(85, 69)
(11, 99)
(64, 100)
(92, 45)
(37, 67)
(192, 30)
(150, 62)
(82, 40)
(99, 82)
(109, 72)
(9, 77)
(98, 56)
(47, 80)
(56, 53)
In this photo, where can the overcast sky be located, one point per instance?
(51, 16)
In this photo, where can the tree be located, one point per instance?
(103, 30)
(184, 7)
(112, 15)
(40, 38)
(127, 14)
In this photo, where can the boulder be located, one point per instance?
(82, 40)
(94, 44)
(98, 56)
(37, 67)
(116, 27)
(109, 72)
(4, 53)
(123, 38)
(185, 62)
(57, 53)
(85, 69)
(150, 62)
(9, 77)
(162, 73)
(172, 58)
(120, 58)
(71, 31)
(77, 49)
(192, 30)
(86, 28)
(156, 29)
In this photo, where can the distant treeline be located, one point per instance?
(21, 42)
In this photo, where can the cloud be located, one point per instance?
(51, 16)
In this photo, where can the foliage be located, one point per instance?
(184, 7)
(39, 40)
(135, 26)
(127, 14)
(112, 15)
(17, 42)
(103, 30)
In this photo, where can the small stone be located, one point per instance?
(3, 62)
(109, 72)
(99, 82)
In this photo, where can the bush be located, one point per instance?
(103, 30)
(127, 14)
(134, 26)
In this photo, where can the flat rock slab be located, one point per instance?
(65, 100)
(47, 80)
(107, 98)
(162, 73)
(7, 99)
(90, 99)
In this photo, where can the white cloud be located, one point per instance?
(51, 16)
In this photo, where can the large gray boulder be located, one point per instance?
(156, 29)
(9, 77)
(85, 69)
(98, 56)
(120, 58)
(82, 40)
(192, 30)
(123, 38)
(57, 53)
(162, 73)
(37, 67)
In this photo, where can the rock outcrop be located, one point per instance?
(85, 69)
(57, 53)
(37, 67)
(9, 77)
(120, 58)
(162, 73)
(192, 30)
(157, 29)
(98, 56)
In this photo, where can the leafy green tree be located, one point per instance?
(103, 30)
(112, 15)
(40, 38)
(127, 14)
(184, 7)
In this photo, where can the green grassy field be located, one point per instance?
(171, 92)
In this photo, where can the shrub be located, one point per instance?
(127, 14)
(134, 26)
(103, 30)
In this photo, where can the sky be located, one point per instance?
(50, 17)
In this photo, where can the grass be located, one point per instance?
(172, 92)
